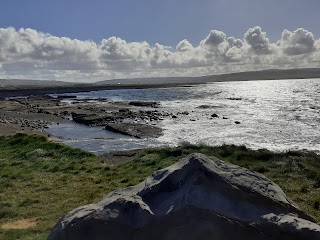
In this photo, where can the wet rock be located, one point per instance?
(92, 119)
(234, 99)
(144, 104)
(197, 198)
(207, 106)
(124, 110)
(135, 129)
(39, 97)
(66, 97)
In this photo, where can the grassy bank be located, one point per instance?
(40, 180)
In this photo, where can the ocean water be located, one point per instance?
(275, 114)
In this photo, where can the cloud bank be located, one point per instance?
(29, 54)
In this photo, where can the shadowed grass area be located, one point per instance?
(41, 180)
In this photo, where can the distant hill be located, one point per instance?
(272, 74)
(16, 87)
(25, 83)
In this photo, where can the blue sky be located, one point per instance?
(166, 21)
(78, 40)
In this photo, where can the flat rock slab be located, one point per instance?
(197, 198)
(92, 119)
(135, 129)
(144, 104)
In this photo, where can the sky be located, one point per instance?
(82, 40)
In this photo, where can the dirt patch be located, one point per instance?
(19, 224)
(117, 158)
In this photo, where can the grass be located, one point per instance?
(41, 180)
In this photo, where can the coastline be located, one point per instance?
(38, 91)
(44, 87)
(219, 113)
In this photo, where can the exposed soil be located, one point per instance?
(19, 224)
(117, 158)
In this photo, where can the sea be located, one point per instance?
(278, 115)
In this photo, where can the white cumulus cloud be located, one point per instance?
(297, 42)
(27, 53)
(257, 40)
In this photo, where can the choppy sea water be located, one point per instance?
(275, 114)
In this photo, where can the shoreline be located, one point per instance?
(39, 91)
(134, 118)
(25, 91)
(17, 88)
(35, 114)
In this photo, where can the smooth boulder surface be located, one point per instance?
(197, 198)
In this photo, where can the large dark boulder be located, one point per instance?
(196, 198)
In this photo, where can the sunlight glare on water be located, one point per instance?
(277, 115)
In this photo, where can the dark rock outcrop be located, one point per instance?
(92, 119)
(101, 119)
(144, 104)
(196, 198)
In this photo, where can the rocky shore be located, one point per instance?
(35, 113)
(25, 115)
(139, 119)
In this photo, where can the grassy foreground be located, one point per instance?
(41, 180)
